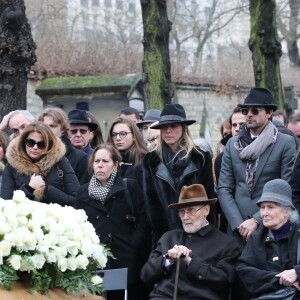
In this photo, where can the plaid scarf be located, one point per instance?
(99, 192)
(252, 150)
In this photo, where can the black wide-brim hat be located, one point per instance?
(80, 117)
(172, 113)
(259, 97)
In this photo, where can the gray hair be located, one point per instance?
(293, 215)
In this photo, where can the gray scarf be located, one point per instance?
(255, 149)
(99, 192)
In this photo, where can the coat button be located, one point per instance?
(107, 215)
(109, 235)
(97, 217)
(200, 277)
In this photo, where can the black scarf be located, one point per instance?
(175, 161)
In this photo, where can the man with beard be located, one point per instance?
(259, 153)
(206, 256)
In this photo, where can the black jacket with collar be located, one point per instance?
(78, 160)
(160, 189)
(124, 237)
(208, 276)
(261, 260)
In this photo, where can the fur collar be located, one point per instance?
(25, 166)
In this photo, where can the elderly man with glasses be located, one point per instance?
(259, 153)
(196, 255)
(79, 131)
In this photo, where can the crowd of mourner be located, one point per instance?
(188, 223)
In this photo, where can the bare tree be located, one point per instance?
(17, 55)
(195, 23)
(288, 22)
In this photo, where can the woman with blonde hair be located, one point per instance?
(125, 136)
(176, 162)
(57, 120)
(37, 166)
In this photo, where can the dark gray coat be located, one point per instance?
(208, 276)
(261, 260)
(238, 204)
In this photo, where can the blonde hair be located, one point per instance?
(58, 116)
(186, 144)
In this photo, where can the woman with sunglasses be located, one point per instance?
(176, 163)
(125, 136)
(37, 166)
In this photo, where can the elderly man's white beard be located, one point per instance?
(189, 227)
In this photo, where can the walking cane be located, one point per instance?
(176, 278)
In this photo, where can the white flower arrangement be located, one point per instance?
(54, 246)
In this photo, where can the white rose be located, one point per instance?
(96, 280)
(29, 241)
(62, 264)
(38, 260)
(4, 228)
(15, 261)
(82, 261)
(73, 250)
(26, 264)
(5, 248)
(72, 263)
(19, 196)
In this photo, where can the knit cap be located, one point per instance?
(278, 191)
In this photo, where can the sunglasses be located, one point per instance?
(31, 143)
(255, 111)
(81, 130)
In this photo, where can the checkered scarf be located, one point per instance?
(99, 192)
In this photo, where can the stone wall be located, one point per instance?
(208, 105)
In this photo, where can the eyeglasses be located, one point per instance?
(255, 111)
(191, 211)
(121, 134)
(31, 143)
(152, 140)
(75, 130)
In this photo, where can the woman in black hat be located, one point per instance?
(176, 163)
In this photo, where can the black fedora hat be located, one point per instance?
(259, 97)
(78, 116)
(172, 113)
(151, 116)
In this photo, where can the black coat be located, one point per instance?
(208, 276)
(124, 237)
(261, 260)
(78, 160)
(18, 171)
(160, 190)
